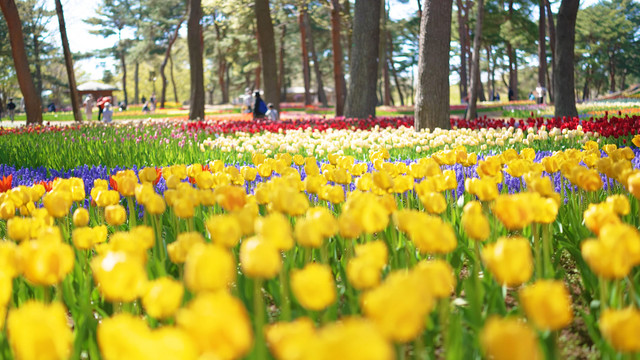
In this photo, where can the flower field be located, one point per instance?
(321, 239)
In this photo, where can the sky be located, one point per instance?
(80, 40)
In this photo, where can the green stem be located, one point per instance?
(285, 309)
(132, 212)
(259, 315)
(547, 250)
(537, 250)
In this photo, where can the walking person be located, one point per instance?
(272, 113)
(152, 102)
(107, 114)
(11, 108)
(247, 101)
(259, 107)
(541, 92)
(88, 107)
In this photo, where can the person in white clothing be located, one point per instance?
(107, 113)
(272, 113)
(88, 107)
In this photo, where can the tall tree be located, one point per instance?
(552, 44)
(167, 56)
(565, 100)
(432, 108)
(542, 44)
(392, 66)
(384, 62)
(73, 89)
(194, 39)
(113, 16)
(281, 67)
(322, 96)
(361, 99)
(464, 44)
(338, 73)
(268, 52)
(475, 66)
(33, 105)
(513, 65)
(306, 72)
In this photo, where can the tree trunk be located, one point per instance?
(564, 82)
(612, 72)
(33, 104)
(167, 55)
(222, 66)
(258, 74)
(123, 63)
(338, 74)
(393, 69)
(268, 49)
(490, 75)
(306, 72)
(475, 68)
(383, 63)
(361, 102)
(462, 34)
(623, 80)
(68, 61)
(542, 49)
(348, 29)
(173, 80)
(552, 44)
(194, 40)
(432, 108)
(322, 97)
(281, 84)
(38, 67)
(585, 89)
(136, 81)
(419, 10)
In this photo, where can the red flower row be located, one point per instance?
(606, 126)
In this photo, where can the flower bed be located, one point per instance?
(338, 240)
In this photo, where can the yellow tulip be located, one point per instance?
(80, 217)
(39, 331)
(439, 274)
(508, 339)
(45, 262)
(598, 216)
(7, 210)
(219, 325)
(399, 306)
(209, 267)
(18, 228)
(162, 297)
(179, 249)
(474, 222)
(350, 338)
(58, 203)
(620, 328)
(224, 229)
(119, 276)
(9, 259)
(115, 215)
(509, 260)
(291, 340)
(313, 286)
(434, 202)
(633, 184)
(547, 304)
(259, 258)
